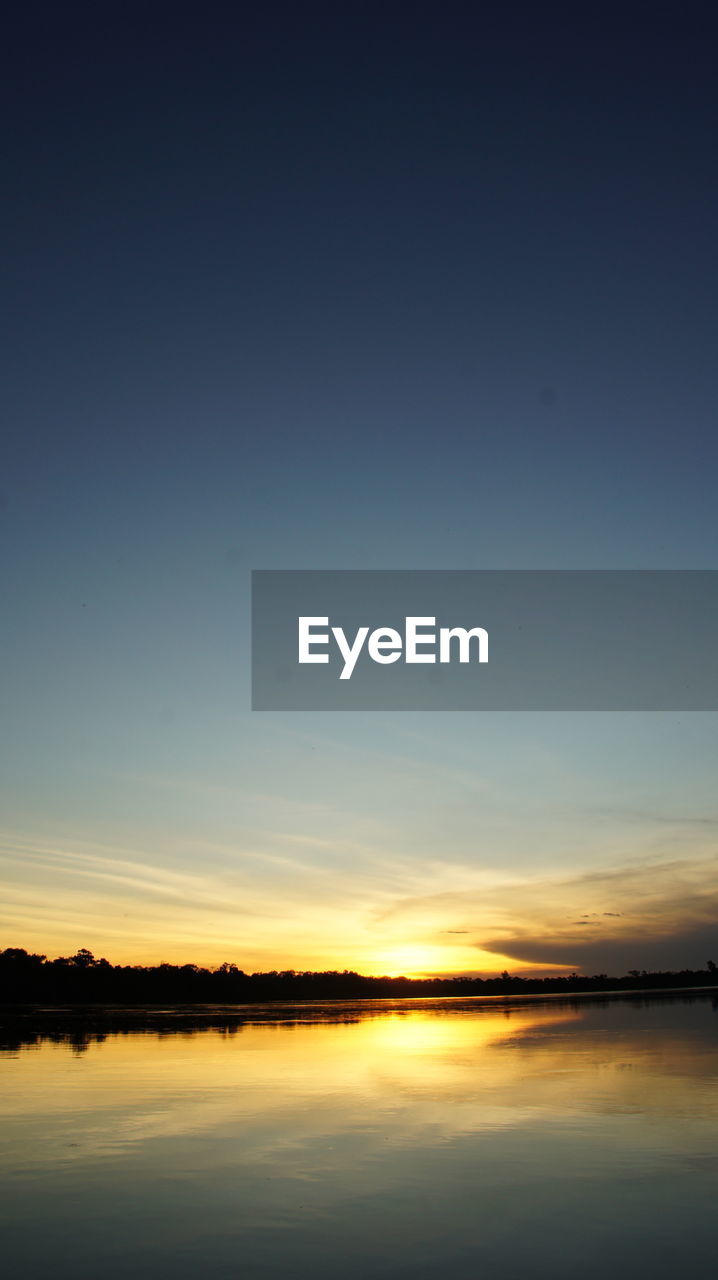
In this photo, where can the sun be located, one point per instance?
(409, 961)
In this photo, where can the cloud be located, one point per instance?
(689, 948)
(669, 921)
(647, 817)
(650, 914)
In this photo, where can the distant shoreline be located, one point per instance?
(31, 980)
(80, 1025)
(271, 1010)
(532, 997)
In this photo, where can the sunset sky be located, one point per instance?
(317, 286)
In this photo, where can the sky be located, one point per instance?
(346, 286)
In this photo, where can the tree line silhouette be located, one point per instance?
(27, 978)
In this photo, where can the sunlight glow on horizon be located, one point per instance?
(143, 900)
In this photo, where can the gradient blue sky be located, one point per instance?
(306, 286)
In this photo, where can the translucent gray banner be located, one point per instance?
(492, 640)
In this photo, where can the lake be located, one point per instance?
(502, 1139)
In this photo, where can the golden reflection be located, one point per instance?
(444, 1037)
(444, 1073)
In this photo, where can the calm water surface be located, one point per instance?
(433, 1139)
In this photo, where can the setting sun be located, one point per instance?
(410, 961)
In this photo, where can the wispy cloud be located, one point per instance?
(667, 910)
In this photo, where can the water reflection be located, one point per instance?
(365, 1140)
